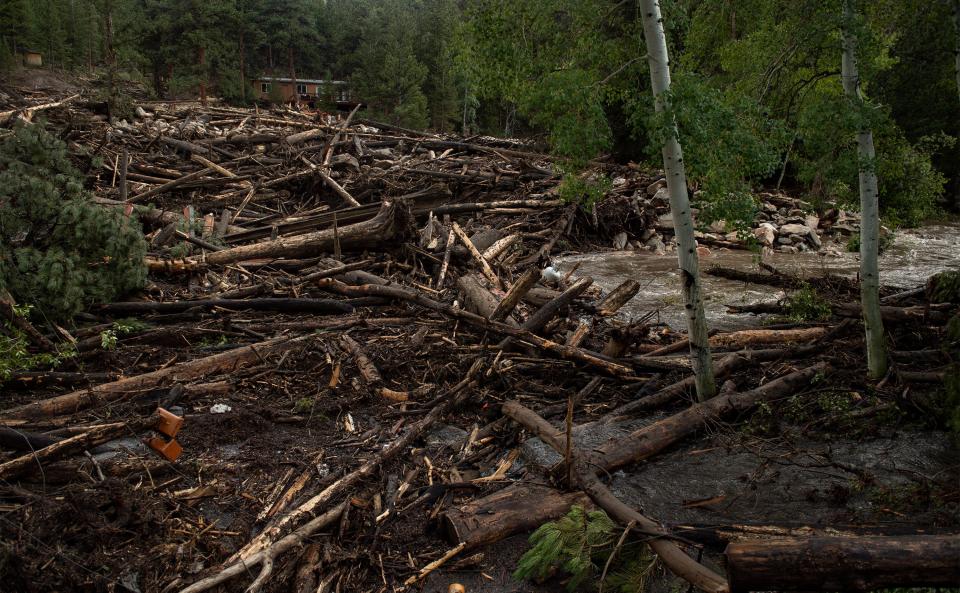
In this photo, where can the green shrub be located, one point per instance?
(807, 305)
(580, 544)
(58, 250)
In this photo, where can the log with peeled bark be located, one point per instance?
(652, 439)
(515, 509)
(752, 337)
(391, 221)
(130, 386)
(844, 563)
(519, 289)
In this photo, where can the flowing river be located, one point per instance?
(915, 255)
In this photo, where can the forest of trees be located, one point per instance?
(757, 91)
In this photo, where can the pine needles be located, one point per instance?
(579, 544)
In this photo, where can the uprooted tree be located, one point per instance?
(60, 252)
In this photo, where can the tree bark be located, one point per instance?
(514, 509)
(844, 563)
(117, 390)
(618, 297)
(679, 202)
(869, 209)
(293, 77)
(656, 437)
(956, 41)
(385, 225)
(202, 62)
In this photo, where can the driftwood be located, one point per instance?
(519, 289)
(844, 563)
(85, 440)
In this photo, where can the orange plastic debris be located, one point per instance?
(169, 423)
(169, 449)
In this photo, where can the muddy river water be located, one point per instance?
(915, 255)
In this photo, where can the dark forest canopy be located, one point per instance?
(757, 89)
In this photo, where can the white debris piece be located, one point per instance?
(220, 409)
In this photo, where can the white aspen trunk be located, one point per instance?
(956, 41)
(869, 209)
(679, 203)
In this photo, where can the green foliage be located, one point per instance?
(58, 251)
(571, 543)
(15, 355)
(944, 288)
(580, 544)
(951, 384)
(806, 304)
(583, 190)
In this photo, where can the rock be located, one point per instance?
(654, 188)
(845, 229)
(732, 236)
(647, 234)
(220, 409)
(666, 220)
(656, 244)
(796, 239)
(718, 226)
(769, 208)
(662, 197)
(788, 249)
(620, 240)
(796, 212)
(761, 217)
(814, 239)
(447, 435)
(703, 251)
(766, 233)
(812, 221)
(794, 229)
(784, 240)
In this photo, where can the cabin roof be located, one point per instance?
(300, 80)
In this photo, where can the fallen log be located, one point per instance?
(266, 538)
(85, 440)
(514, 509)
(26, 114)
(618, 297)
(669, 552)
(844, 563)
(656, 437)
(282, 305)
(395, 292)
(519, 289)
(476, 297)
(387, 224)
(752, 337)
(182, 372)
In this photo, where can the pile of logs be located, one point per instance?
(393, 279)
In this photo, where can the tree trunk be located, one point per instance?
(679, 203)
(956, 46)
(869, 209)
(243, 80)
(201, 61)
(111, 55)
(293, 77)
(844, 563)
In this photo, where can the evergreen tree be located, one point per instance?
(58, 251)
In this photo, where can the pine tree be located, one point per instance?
(59, 252)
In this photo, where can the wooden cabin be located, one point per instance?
(32, 58)
(311, 91)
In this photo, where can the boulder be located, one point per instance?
(794, 229)
(655, 187)
(812, 221)
(766, 233)
(620, 240)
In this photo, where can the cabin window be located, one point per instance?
(264, 87)
(301, 89)
(344, 94)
